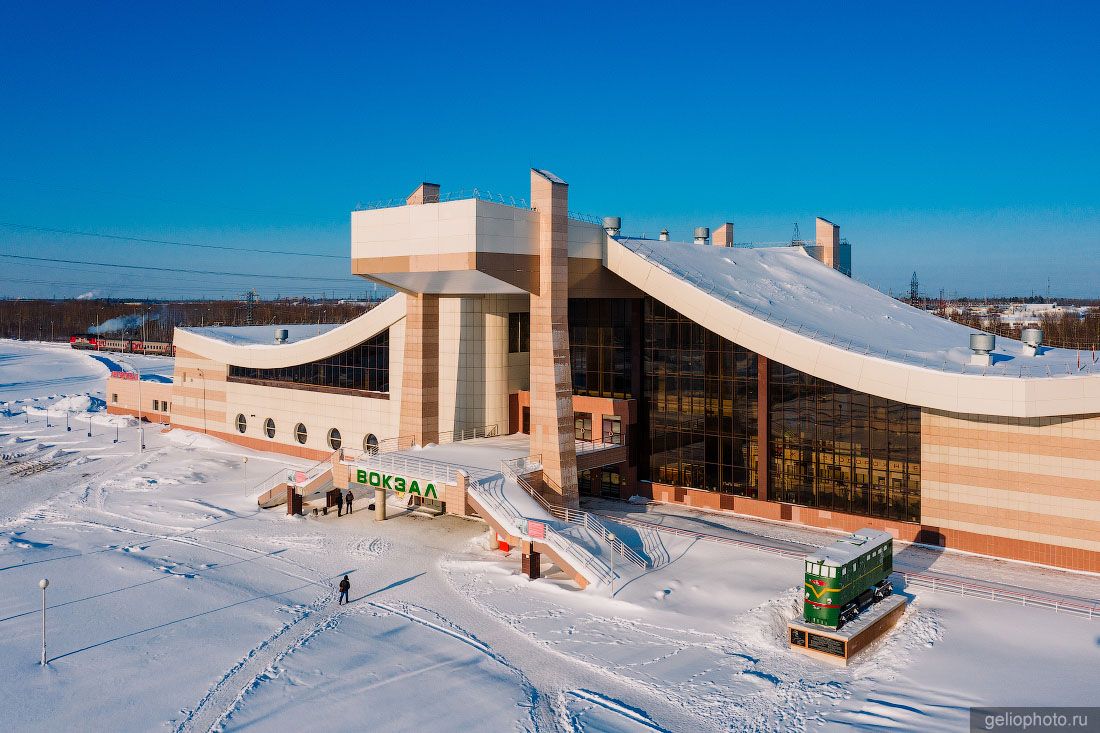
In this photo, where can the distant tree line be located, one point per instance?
(1062, 330)
(56, 320)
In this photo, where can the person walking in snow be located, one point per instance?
(345, 588)
(350, 498)
(339, 503)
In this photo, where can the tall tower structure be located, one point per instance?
(552, 432)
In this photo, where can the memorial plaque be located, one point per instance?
(827, 644)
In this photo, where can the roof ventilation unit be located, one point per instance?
(612, 225)
(981, 344)
(1033, 339)
(702, 235)
(664, 235)
(281, 335)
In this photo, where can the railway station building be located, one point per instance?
(760, 380)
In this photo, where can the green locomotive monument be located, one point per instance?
(847, 576)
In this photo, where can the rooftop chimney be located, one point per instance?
(981, 344)
(723, 235)
(702, 234)
(664, 235)
(425, 193)
(1033, 339)
(612, 225)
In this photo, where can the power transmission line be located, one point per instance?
(175, 269)
(142, 240)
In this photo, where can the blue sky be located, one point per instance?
(958, 140)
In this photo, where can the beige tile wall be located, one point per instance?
(1033, 479)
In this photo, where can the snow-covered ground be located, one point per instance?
(175, 604)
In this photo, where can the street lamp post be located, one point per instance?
(43, 584)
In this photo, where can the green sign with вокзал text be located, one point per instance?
(393, 482)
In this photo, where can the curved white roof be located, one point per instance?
(782, 303)
(260, 335)
(240, 346)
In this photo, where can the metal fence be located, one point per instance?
(932, 581)
(463, 195)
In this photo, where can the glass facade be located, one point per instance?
(834, 448)
(700, 400)
(829, 447)
(599, 346)
(362, 368)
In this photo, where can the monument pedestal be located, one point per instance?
(838, 646)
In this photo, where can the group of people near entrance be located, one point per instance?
(342, 498)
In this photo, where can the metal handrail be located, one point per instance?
(576, 516)
(280, 476)
(387, 445)
(457, 436)
(959, 587)
(475, 193)
(560, 543)
(419, 467)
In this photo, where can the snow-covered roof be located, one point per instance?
(787, 287)
(262, 335)
(254, 346)
(845, 550)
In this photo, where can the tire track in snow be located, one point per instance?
(614, 706)
(219, 702)
(542, 713)
(217, 707)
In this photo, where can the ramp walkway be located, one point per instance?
(504, 493)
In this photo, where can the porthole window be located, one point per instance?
(300, 433)
(242, 424)
(370, 444)
(269, 428)
(334, 440)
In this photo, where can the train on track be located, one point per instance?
(847, 576)
(93, 342)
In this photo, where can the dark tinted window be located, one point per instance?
(362, 368)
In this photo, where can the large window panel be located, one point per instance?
(362, 368)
